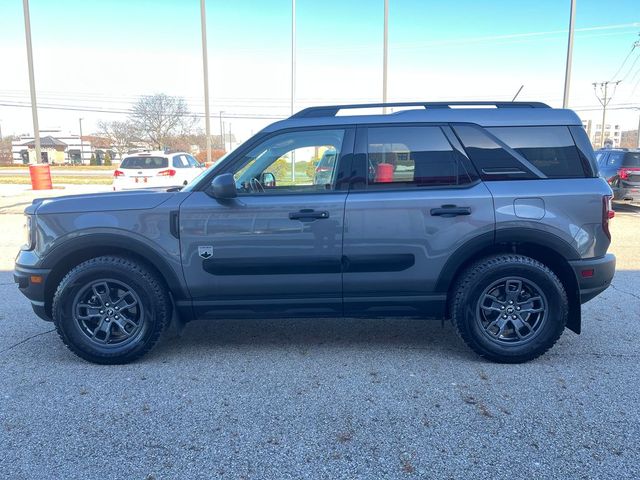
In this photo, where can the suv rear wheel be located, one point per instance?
(110, 310)
(509, 308)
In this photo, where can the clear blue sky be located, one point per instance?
(105, 53)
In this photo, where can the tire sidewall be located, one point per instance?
(551, 328)
(64, 315)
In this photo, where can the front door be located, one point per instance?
(275, 249)
(418, 201)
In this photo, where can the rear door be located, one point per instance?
(416, 201)
(277, 248)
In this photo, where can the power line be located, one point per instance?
(633, 47)
(127, 112)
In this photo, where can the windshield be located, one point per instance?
(144, 162)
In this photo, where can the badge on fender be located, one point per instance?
(205, 251)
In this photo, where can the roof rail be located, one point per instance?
(332, 110)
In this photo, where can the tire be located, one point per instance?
(509, 308)
(111, 310)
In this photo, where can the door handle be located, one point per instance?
(308, 214)
(448, 211)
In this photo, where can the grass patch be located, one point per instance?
(57, 179)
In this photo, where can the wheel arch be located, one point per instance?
(547, 248)
(73, 252)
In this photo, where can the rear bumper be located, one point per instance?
(594, 275)
(34, 291)
(629, 194)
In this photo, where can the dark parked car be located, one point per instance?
(493, 217)
(621, 169)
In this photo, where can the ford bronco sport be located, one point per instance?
(493, 217)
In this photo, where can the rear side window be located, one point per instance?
(600, 157)
(144, 162)
(631, 160)
(615, 159)
(412, 156)
(550, 149)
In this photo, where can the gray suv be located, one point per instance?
(621, 169)
(493, 217)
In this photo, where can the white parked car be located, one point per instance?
(156, 169)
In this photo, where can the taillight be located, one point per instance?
(607, 214)
(118, 173)
(167, 173)
(322, 169)
(623, 173)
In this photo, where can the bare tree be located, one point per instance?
(121, 135)
(158, 118)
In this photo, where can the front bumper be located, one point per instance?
(594, 275)
(31, 282)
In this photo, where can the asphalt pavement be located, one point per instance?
(329, 399)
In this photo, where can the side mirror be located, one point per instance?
(268, 179)
(224, 186)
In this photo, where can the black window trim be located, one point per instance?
(359, 174)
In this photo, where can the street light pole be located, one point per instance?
(32, 85)
(293, 53)
(221, 131)
(205, 69)
(385, 54)
(81, 143)
(567, 72)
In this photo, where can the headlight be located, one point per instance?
(28, 234)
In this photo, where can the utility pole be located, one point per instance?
(385, 54)
(81, 143)
(32, 84)
(567, 72)
(205, 69)
(604, 101)
(221, 131)
(293, 79)
(293, 53)
(230, 146)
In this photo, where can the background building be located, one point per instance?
(59, 148)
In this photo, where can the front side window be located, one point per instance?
(412, 156)
(294, 162)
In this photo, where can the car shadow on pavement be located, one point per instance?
(626, 207)
(303, 333)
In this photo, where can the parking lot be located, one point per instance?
(329, 399)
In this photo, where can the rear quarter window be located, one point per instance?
(550, 149)
(631, 159)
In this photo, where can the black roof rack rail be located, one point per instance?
(332, 110)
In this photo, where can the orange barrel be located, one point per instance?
(40, 177)
(384, 173)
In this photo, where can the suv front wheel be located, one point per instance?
(509, 308)
(110, 310)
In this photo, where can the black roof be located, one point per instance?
(46, 142)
